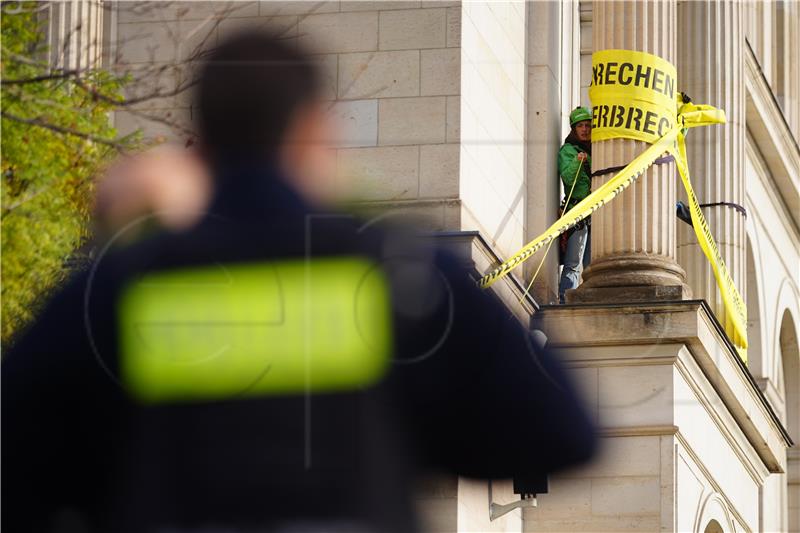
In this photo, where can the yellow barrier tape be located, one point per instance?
(693, 116)
(635, 98)
(585, 207)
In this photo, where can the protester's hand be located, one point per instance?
(581, 156)
(172, 184)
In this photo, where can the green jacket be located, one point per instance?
(567, 168)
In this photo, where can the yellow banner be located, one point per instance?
(634, 97)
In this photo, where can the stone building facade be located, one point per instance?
(453, 112)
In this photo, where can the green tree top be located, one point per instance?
(56, 134)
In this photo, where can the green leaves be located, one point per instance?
(56, 134)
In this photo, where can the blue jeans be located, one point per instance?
(578, 253)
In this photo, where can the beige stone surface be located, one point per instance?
(440, 71)
(452, 215)
(595, 524)
(148, 79)
(635, 395)
(424, 215)
(412, 29)
(411, 120)
(328, 65)
(340, 32)
(284, 27)
(544, 133)
(379, 74)
(381, 173)
(356, 122)
(272, 8)
(166, 124)
(438, 171)
(625, 456)
(492, 181)
(567, 498)
(382, 5)
(148, 42)
(453, 118)
(690, 489)
(454, 26)
(148, 11)
(626, 496)
(441, 3)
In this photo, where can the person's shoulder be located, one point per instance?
(568, 147)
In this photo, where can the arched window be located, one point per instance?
(790, 354)
(713, 527)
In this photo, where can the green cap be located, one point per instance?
(579, 114)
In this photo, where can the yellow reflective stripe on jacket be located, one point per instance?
(286, 327)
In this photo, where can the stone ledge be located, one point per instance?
(688, 323)
(479, 256)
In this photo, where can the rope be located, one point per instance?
(738, 207)
(566, 206)
(660, 161)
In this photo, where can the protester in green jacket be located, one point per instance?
(574, 163)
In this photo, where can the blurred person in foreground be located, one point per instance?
(167, 187)
(275, 366)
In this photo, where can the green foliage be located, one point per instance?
(56, 134)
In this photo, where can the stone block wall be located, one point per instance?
(392, 76)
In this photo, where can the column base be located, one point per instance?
(631, 278)
(622, 294)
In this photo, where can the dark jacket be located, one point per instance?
(466, 392)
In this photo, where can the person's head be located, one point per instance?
(581, 122)
(258, 99)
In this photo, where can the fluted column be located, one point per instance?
(710, 70)
(633, 237)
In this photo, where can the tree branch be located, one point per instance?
(123, 102)
(28, 197)
(44, 77)
(67, 131)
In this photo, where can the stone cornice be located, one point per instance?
(687, 323)
(772, 136)
(479, 255)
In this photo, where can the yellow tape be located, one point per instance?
(634, 97)
(734, 304)
(598, 198)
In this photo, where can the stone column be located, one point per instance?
(710, 70)
(633, 238)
